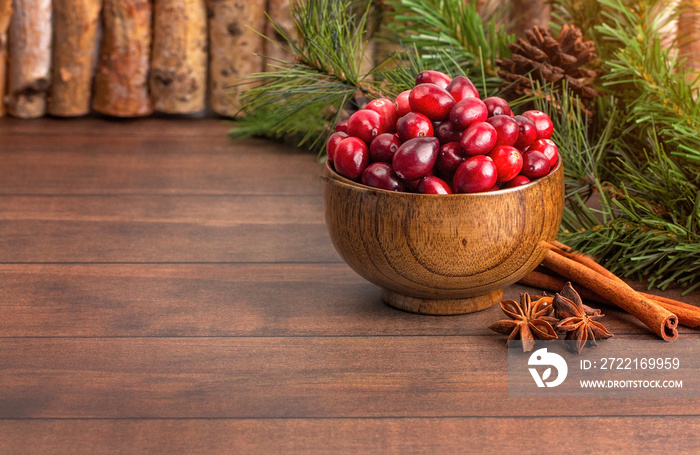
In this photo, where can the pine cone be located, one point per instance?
(540, 57)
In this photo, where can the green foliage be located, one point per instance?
(641, 218)
(301, 98)
(450, 35)
(648, 79)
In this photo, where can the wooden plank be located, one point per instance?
(101, 127)
(153, 165)
(252, 377)
(367, 436)
(163, 229)
(116, 300)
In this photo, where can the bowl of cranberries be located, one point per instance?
(442, 198)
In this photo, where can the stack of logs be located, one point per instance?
(168, 56)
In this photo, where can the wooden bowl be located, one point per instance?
(442, 254)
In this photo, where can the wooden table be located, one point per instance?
(165, 290)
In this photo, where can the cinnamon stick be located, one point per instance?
(5, 15)
(29, 70)
(688, 315)
(75, 34)
(658, 319)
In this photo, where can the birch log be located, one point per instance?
(689, 35)
(29, 69)
(280, 12)
(75, 32)
(121, 79)
(232, 45)
(5, 15)
(525, 14)
(178, 79)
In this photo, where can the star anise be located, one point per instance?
(577, 320)
(527, 321)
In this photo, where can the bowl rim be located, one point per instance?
(365, 188)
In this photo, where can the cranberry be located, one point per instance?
(432, 101)
(477, 174)
(332, 144)
(366, 125)
(468, 111)
(497, 106)
(416, 157)
(543, 124)
(387, 111)
(548, 148)
(446, 132)
(442, 80)
(506, 128)
(450, 157)
(461, 87)
(351, 158)
(403, 107)
(508, 162)
(479, 138)
(383, 147)
(526, 132)
(381, 175)
(535, 164)
(518, 180)
(494, 188)
(342, 126)
(413, 125)
(433, 185)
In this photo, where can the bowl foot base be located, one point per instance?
(441, 307)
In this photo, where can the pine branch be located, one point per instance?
(452, 29)
(647, 220)
(301, 98)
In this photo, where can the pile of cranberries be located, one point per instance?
(441, 138)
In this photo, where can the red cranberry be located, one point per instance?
(332, 144)
(519, 180)
(461, 87)
(383, 147)
(549, 148)
(381, 175)
(497, 106)
(479, 138)
(387, 111)
(403, 107)
(526, 132)
(342, 126)
(450, 157)
(366, 125)
(432, 101)
(416, 157)
(494, 188)
(468, 111)
(506, 128)
(477, 174)
(535, 164)
(413, 125)
(446, 132)
(351, 158)
(508, 162)
(433, 185)
(442, 80)
(543, 124)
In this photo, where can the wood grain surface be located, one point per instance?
(163, 290)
